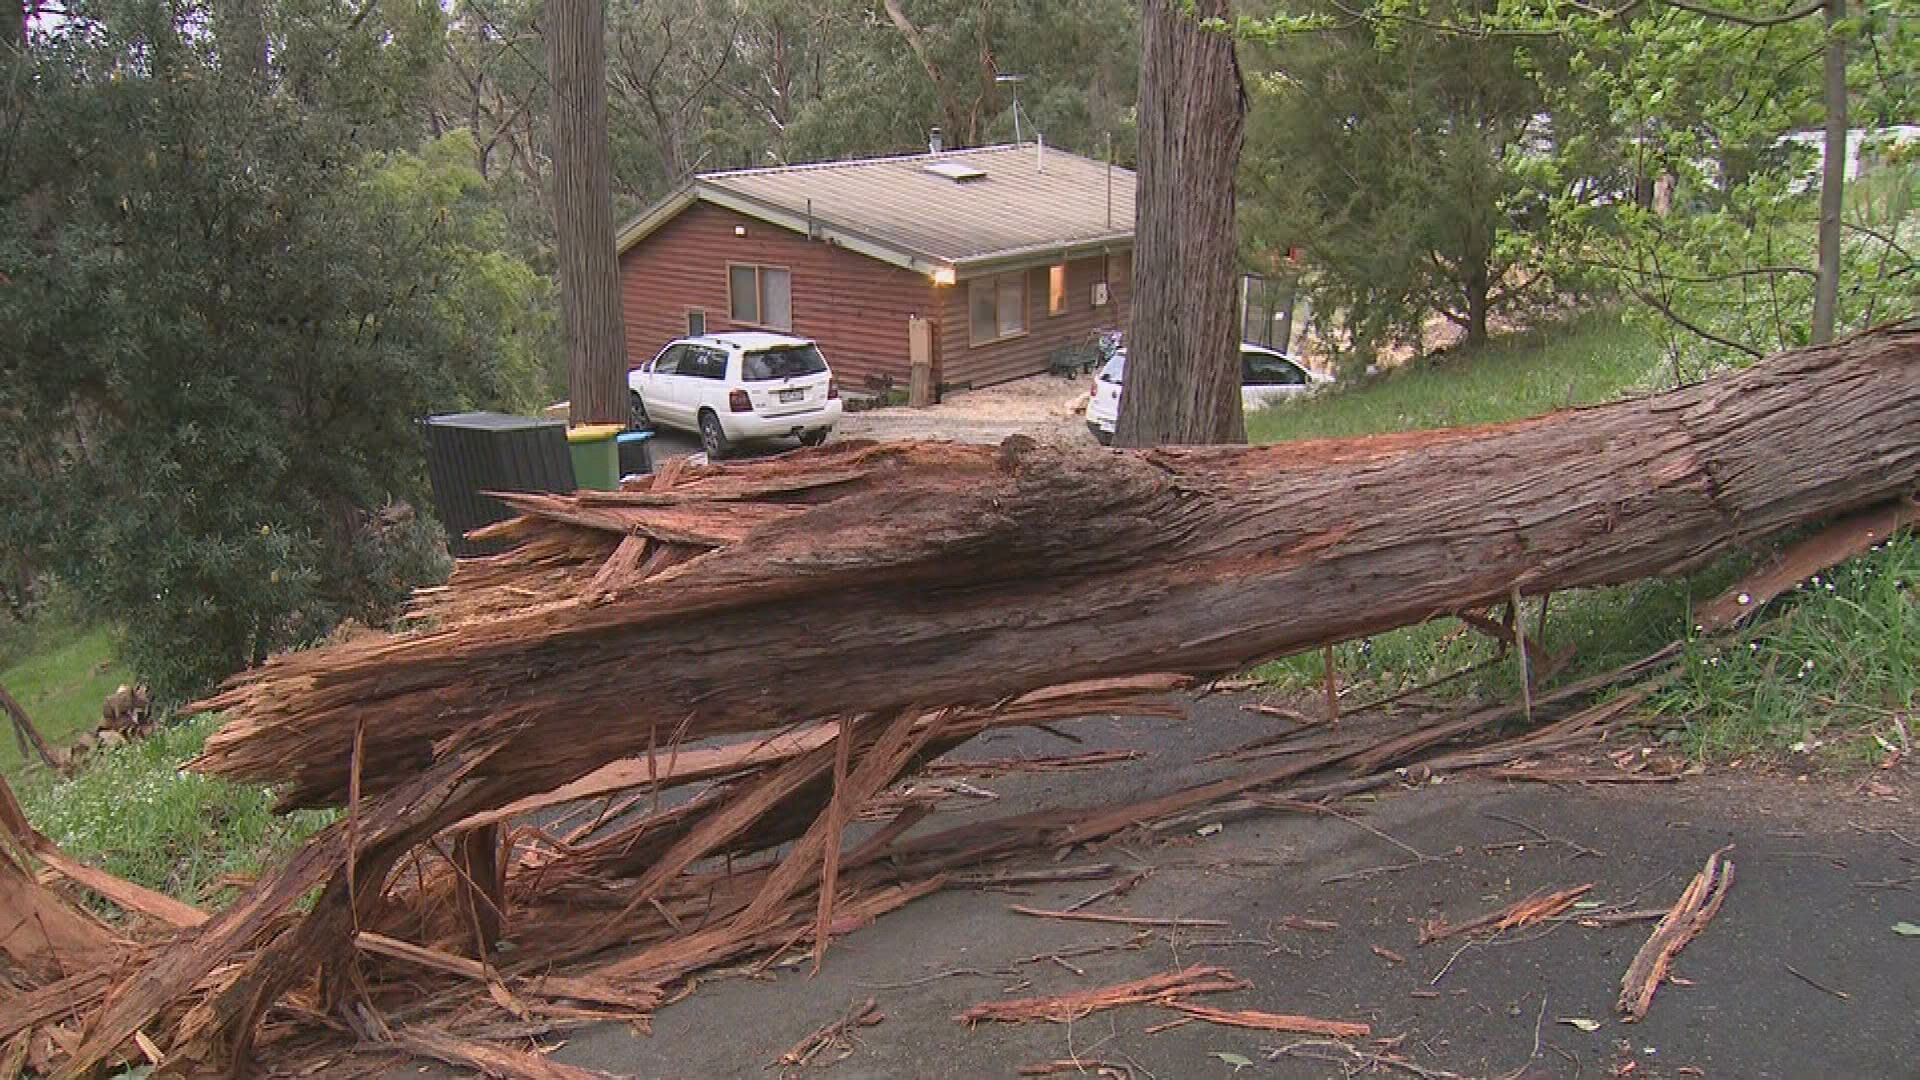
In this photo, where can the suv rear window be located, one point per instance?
(782, 363)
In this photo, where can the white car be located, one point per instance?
(1267, 376)
(734, 388)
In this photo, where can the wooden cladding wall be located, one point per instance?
(854, 306)
(962, 363)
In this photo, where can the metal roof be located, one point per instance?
(1032, 203)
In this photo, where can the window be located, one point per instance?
(785, 363)
(1057, 289)
(776, 298)
(743, 294)
(705, 364)
(760, 296)
(997, 308)
(1269, 369)
(668, 362)
(696, 323)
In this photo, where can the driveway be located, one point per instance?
(1824, 871)
(1044, 407)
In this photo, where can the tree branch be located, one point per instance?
(1811, 7)
(1681, 321)
(1711, 279)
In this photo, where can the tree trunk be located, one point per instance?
(240, 35)
(926, 575)
(1833, 177)
(583, 213)
(1183, 360)
(1477, 289)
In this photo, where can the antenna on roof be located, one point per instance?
(1016, 80)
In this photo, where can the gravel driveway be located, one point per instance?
(1046, 407)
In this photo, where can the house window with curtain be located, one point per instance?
(1057, 289)
(760, 296)
(997, 308)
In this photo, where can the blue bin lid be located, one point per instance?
(633, 436)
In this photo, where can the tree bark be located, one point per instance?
(930, 575)
(1183, 360)
(13, 30)
(583, 213)
(1478, 288)
(1833, 177)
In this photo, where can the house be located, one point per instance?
(1010, 254)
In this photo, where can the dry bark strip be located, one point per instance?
(1266, 1021)
(1093, 759)
(1062, 1008)
(487, 1058)
(1533, 909)
(1683, 922)
(1116, 920)
(838, 1033)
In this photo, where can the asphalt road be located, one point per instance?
(1824, 870)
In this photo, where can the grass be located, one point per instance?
(1827, 675)
(61, 685)
(1589, 359)
(133, 812)
(1833, 676)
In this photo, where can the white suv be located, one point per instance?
(731, 388)
(1267, 377)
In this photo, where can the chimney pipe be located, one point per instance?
(934, 143)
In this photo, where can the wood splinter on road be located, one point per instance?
(1064, 1008)
(1689, 915)
(1531, 910)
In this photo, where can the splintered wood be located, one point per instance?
(1524, 913)
(1063, 1008)
(1689, 915)
(1266, 1021)
(649, 720)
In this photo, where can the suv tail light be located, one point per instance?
(738, 401)
(833, 389)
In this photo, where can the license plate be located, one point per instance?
(788, 396)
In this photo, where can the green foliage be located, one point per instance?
(61, 684)
(1824, 675)
(1726, 119)
(221, 320)
(133, 812)
(1413, 166)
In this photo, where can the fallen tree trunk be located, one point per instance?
(917, 591)
(889, 576)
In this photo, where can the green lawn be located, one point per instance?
(1829, 678)
(130, 809)
(1590, 359)
(61, 686)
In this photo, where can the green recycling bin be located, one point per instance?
(596, 457)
